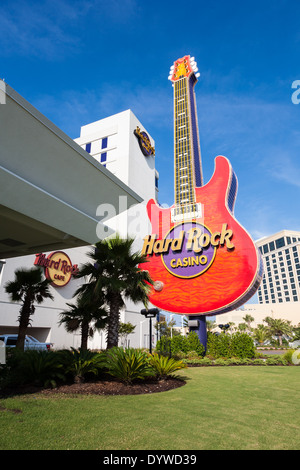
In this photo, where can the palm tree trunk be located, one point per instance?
(23, 322)
(113, 321)
(84, 335)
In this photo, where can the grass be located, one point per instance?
(240, 408)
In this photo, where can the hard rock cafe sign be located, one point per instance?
(144, 142)
(58, 267)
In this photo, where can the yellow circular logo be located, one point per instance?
(58, 267)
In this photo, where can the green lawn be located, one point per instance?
(219, 408)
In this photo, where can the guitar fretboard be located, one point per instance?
(184, 174)
(183, 151)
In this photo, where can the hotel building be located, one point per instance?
(281, 258)
(119, 143)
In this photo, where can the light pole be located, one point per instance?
(151, 313)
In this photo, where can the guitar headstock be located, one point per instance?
(183, 67)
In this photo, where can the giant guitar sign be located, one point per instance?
(202, 261)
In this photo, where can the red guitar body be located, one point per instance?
(232, 274)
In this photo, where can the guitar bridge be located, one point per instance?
(186, 212)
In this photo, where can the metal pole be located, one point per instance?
(150, 335)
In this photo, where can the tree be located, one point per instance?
(261, 334)
(278, 327)
(87, 317)
(165, 328)
(248, 319)
(126, 329)
(28, 287)
(114, 275)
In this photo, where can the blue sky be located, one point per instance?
(80, 61)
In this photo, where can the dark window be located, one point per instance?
(272, 246)
(265, 249)
(11, 341)
(288, 239)
(279, 242)
(88, 147)
(104, 143)
(103, 157)
(295, 298)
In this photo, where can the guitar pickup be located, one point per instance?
(186, 212)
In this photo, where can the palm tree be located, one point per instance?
(28, 287)
(87, 318)
(261, 334)
(248, 319)
(113, 275)
(278, 327)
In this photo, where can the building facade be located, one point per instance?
(121, 144)
(281, 258)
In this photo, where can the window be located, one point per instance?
(265, 249)
(88, 147)
(288, 239)
(104, 143)
(103, 157)
(279, 242)
(156, 182)
(295, 298)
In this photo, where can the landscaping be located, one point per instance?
(219, 408)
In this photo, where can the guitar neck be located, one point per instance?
(187, 159)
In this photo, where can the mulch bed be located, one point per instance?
(102, 387)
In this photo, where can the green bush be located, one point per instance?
(80, 363)
(239, 345)
(242, 346)
(218, 346)
(288, 355)
(165, 366)
(127, 365)
(180, 345)
(41, 368)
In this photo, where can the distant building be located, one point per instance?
(281, 259)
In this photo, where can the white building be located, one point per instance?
(121, 144)
(281, 280)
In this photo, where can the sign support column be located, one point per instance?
(198, 324)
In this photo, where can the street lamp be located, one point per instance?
(151, 313)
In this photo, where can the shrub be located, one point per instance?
(242, 346)
(127, 365)
(81, 363)
(180, 344)
(165, 366)
(239, 345)
(218, 346)
(41, 368)
(288, 356)
(276, 360)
